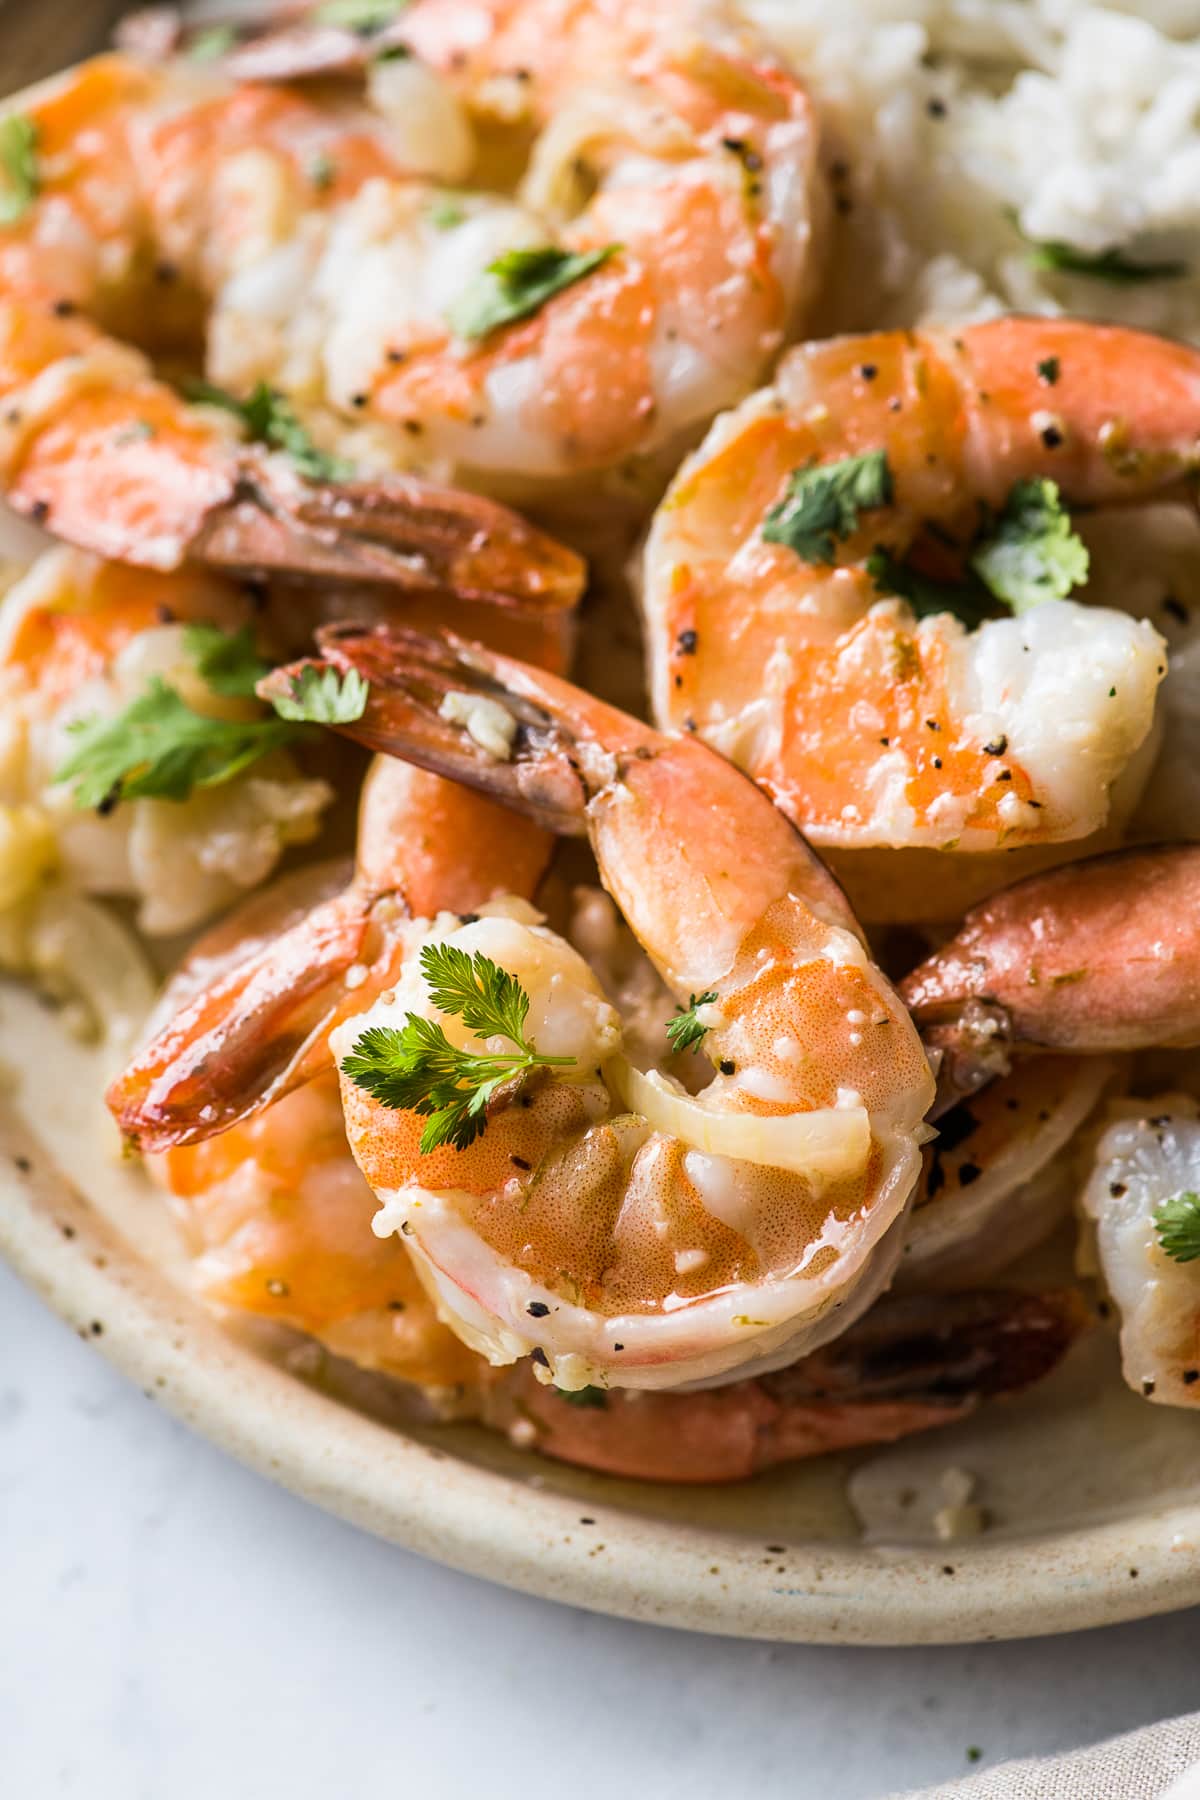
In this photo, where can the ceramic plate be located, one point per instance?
(1088, 1493)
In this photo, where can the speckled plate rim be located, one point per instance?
(491, 1525)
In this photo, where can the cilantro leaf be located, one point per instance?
(359, 15)
(270, 419)
(584, 1396)
(823, 503)
(18, 159)
(226, 660)
(158, 747)
(415, 1068)
(1033, 554)
(684, 1031)
(321, 697)
(212, 43)
(1111, 265)
(967, 600)
(486, 997)
(518, 283)
(1177, 1222)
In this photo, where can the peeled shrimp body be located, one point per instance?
(80, 639)
(664, 131)
(150, 189)
(872, 727)
(1150, 1154)
(618, 1228)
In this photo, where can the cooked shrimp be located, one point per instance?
(999, 1178)
(81, 639)
(667, 138)
(1150, 1155)
(1026, 1008)
(248, 1017)
(907, 1366)
(278, 1219)
(1101, 956)
(873, 727)
(732, 1229)
(142, 190)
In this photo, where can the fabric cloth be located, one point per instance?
(1160, 1762)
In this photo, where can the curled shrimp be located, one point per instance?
(877, 729)
(668, 138)
(248, 1017)
(146, 189)
(80, 639)
(615, 1226)
(1051, 979)
(909, 1365)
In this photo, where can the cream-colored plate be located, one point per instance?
(1091, 1495)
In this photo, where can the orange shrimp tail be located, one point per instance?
(1101, 955)
(250, 1035)
(397, 530)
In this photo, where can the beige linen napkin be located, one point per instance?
(1160, 1762)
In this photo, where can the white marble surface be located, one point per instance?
(173, 1628)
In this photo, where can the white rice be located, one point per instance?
(966, 128)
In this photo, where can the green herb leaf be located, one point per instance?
(1107, 265)
(1050, 368)
(159, 747)
(823, 503)
(359, 15)
(226, 660)
(322, 171)
(685, 1031)
(486, 997)
(18, 160)
(584, 1396)
(415, 1068)
(212, 43)
(967, 600)
(1033, 554)
(321, 697)
(1177, 1222)
(269, 419)
(445, 212)
(518, 283)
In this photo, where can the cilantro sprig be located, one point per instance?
(322, 697)
(1177, 1222)
(684, 1031)
(269, 418)
(968, 599)
(19, 162)
(823, 502)
(415, 1068)
(160, 748)
(1033, 553)
(519, 283)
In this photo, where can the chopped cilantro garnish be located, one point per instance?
(214, 42)
(269, 419)
(359, 15)
(684, 1031)
(1033, 554)
(321, 697)
(823, 503)
(518, 283)
(1106, 265)
(18, 160)
(226, 660)
(968, 599)
(584, 1396)
(1177, 1222)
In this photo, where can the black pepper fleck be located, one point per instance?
(686, 643)
(726, 1066)
(537, 1309)
(539, 1356)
